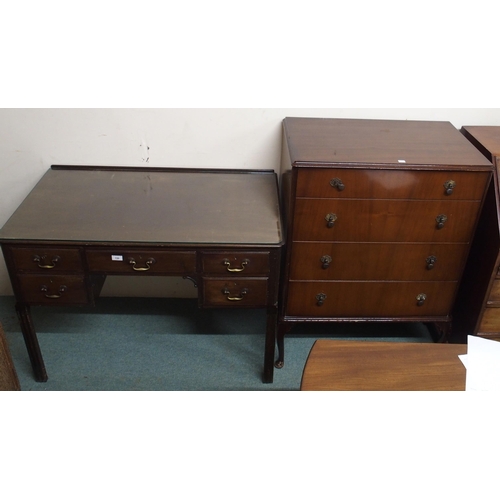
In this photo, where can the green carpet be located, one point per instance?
(127, 344)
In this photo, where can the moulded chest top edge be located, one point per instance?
(401, 143)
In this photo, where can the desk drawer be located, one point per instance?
(53, 289)
(236, 263)
(394, 184)
(250, 292)
(47, 259)
(384, 220)
(366, 299)
(126, 261)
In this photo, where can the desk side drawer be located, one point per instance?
(238, 292)
(53, 289)
(126, 261)
(236, 263)
(47, 259)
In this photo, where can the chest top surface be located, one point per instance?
(329, 141)
(188, 206)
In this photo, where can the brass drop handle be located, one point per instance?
(337, 183)
(244, 263)
(149, 263)
(431, 260)
(449, 186)
(39, 260)
(421, 298)
(45, 289)
(330, 219)
(241, 296)
(326, 260)
(320, 299)
(441, 219)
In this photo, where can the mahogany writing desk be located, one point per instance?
(219, 228)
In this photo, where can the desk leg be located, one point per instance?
(272, 321)
(283, 329)
(31, 341)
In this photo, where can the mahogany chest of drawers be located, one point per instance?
(477, 310)
(379, 218)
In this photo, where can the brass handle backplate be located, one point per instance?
(326, 260)
(431, 260)
(449, 186)
(337, 183)
(149, 263)
(241, 296)
(227, 263)
(330, 219)
(40, 261)
(441, 219)
(421, 298)
(320, 299)
(44, 289)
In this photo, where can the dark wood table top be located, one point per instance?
(149, 206)
(395, 143)
(345, 365)
(486, 138)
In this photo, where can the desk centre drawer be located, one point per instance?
(236, 263)
(126, 261)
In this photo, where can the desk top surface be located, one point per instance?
(337, 365)
(149, 206)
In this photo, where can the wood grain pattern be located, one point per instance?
(383, 366)
(8, 375)
(392, 184)
(377, 261)
(358, 299)
(379, 142)
(476, 309)
(384, 220)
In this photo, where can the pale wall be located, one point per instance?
(33, 139)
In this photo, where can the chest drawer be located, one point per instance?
(238, 292)
(130, 261)
(393, 184)
(47, 259)
(374, 299)
(53, 289)
(236, 263)
(490, 322)
(377, 261)
(384, 220)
